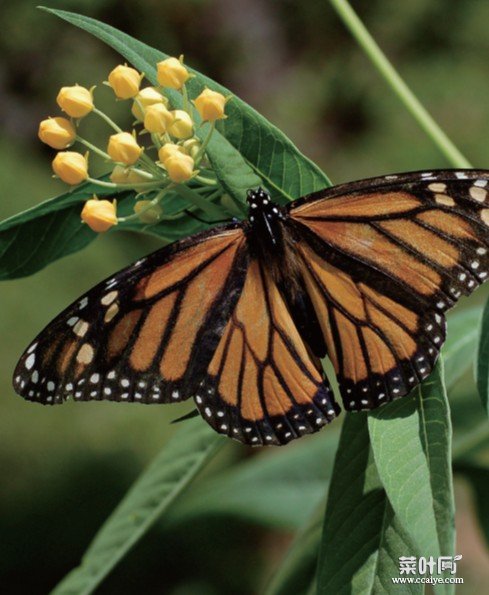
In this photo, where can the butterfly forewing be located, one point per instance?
(383, 260)
(146, 334)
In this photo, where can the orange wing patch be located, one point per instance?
(440, 251)
(364, 205)
(262, 387)
(363, 241)
(182, 265)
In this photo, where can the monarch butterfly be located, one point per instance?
(239, 316)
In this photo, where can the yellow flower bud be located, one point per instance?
(71, 167)
(58, 133)
(192, 147)
(157, 118)
(182, 125)
(99, 215)
(210, 105)
(76, 101)
(172, 73)
(120, 174)
(123, 148)
(135, 177)
(168, 150)
(146, 97)
(125, 81)
(180, 167)
(127, 175)
(151, 215)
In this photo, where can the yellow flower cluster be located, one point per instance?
(174, 155)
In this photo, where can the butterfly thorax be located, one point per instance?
(269, 238)
(266, 219)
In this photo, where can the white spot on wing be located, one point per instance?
(80, 328)
(437, 187)
(109, 298)
(85, 354)
(111, 312)
(478, 193)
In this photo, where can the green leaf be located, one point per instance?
(151, 495)
(483, 359)
(362, 539)
(411, 442)
(32, 239)
(266, 150)
(234, 173)
(27, 247)
(279, 488)
(461, 345)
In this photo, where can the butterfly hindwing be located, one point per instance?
(383, 260)
(263, 386)
(145, 335)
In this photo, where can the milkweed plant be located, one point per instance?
(191, 153)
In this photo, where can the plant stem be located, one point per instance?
(150, 205)
(200, 154)
(194, 198)
(148, 185)
(142, 172)
(150, 164)
(206, 181)
(157, 141)
(93, 148)
(185, 100)
(140, 106)
(397, 84)
(105, 117)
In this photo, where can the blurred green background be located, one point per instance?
(63, 469)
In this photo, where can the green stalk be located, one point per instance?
(206, 181)
(203, 146)
(142, 172)
(105, 117)
(194, 198)
(150, 164)
(186, 104)
(115, 186)
(149, 206)
(397, 84)
(93, 148)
